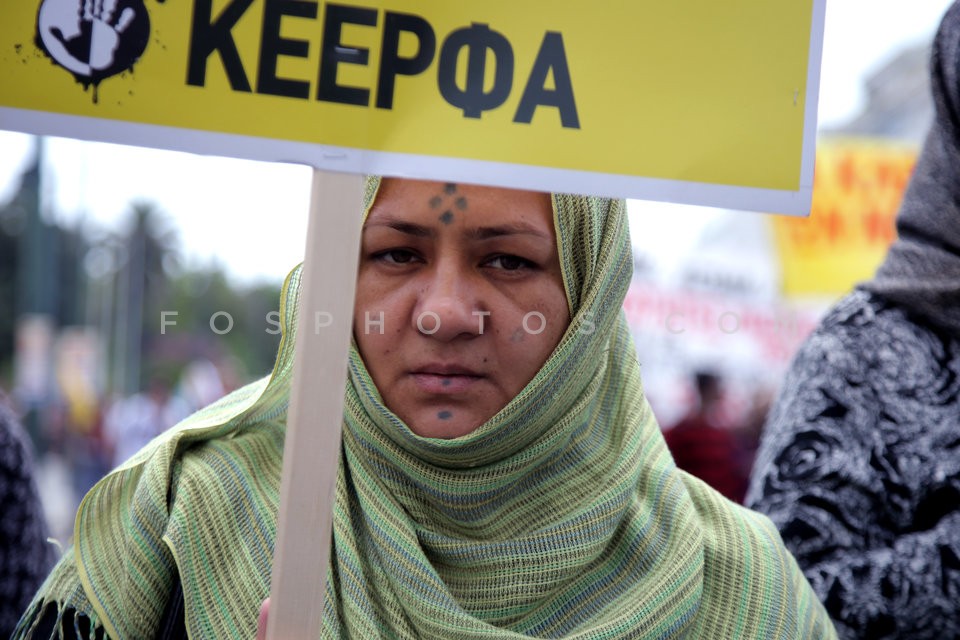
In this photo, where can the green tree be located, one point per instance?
(129, 281)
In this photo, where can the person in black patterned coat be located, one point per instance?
(25, 555)
(859, 465)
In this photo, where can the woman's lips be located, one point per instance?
(444, 383)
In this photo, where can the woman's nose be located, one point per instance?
(448, 306)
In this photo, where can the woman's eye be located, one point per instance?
(395, 256)
(509, 263)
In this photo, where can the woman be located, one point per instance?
(860, 462)
(501, 473)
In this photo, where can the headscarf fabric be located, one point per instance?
(563, 516)
(922, 268)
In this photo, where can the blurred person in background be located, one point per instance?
(25, 554)
(201, 383)
(133, 421)
(859, 464)
(702, 446)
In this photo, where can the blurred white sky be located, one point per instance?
(252, 216)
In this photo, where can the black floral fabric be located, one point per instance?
(859, 468)
(25, 555)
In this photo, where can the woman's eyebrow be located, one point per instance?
(519, 228)
(408, 228)
(475, 233)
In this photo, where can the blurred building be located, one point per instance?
(898, 103)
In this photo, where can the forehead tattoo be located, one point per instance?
(447, 201)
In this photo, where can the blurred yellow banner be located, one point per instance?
(857, 189)
(644, 94)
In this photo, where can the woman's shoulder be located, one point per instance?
(171, 504)
(745, 561)
(219, 465)
(865, 354)
(225, 457)
(228, 423)
(232, 476)
(732, 532)
(865, 323)
(870, 367)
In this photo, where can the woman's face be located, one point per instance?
(460, 300)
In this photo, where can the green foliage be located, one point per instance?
(121, 282)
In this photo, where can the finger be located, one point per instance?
(107, 7)
(126, 17)
(262, 620)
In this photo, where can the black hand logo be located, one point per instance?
(93, 39)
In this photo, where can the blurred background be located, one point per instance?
(138, 285)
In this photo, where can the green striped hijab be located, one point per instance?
(563, 516)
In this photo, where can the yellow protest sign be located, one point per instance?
(858, 187)
(689, 102)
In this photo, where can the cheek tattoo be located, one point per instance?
(444, 202)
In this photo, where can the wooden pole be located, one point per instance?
(312, 445)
